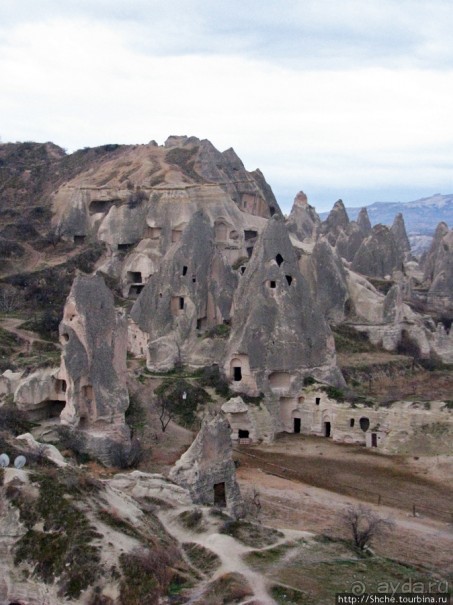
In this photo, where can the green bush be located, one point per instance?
(210, 376)
(170, 393)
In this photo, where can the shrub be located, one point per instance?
(211, 376)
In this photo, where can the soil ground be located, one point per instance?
(306, 482)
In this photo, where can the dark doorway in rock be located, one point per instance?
(125, 247)
(184, 270)
(373, 439)
(250, 234)
(249, 251)
(272, 211)
(327, 429)
(135, 290)
(134, 277)
(289, 279)
(79, 239)
(273, 284)
(237, 374)
(219, 494)
(242, 270)
(364, 424)
(352, 422)
(279, 259)
(181, 302)
(318, 400)
(243, 434)
(297, 425)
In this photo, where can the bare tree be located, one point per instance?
(9, 299)
(252, 503)
(365, 524)
(166, 412)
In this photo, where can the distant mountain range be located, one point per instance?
(421, 216)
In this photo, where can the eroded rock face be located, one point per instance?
(399, 231)
(378, 255)
(94, 340)
(207, 469)
(278, 331)
(336, 222)
(303, 220)
(363, 221)
(191, 293)
(330, 290)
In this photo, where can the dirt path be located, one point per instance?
(12, 324)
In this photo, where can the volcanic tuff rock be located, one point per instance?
(336, 222)
(363, 221)
(278, 332)
(192, 292)
(399, 231)
(303, 220)
(330, 283)
(94, 339)
(378, 255)
(207, 469)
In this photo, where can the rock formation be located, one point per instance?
(378, 255)
(399, 232)
(94, 340)
(278, 332)
(207, 469)
(303, 220)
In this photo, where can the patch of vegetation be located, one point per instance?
(309, 380)
(148, 574)
(210, 376)
(192, 519)
(201, 558)
(290, 596)
(14, 420)
(181, 399)
(45, 291)
(333, 393)
(219, 331)
(252, 400)
(251, 534)
(135, 414)
(63, 548)
(8, 344)
(448, 404)
(261, 559)
(184, 158)
(349, 340)
(113, 520)
(230, 588)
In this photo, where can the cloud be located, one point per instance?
(86, 73)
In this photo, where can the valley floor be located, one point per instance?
(306, 482)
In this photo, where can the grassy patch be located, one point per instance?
(201, 558)
(118, 524)
(251, 534)
(229, 588)
(219, 331)
(348, 340)
(289, 596)
(192, 519)
(62, 549)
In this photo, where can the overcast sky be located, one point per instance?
(350, 99)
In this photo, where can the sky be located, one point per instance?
(349, 99)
